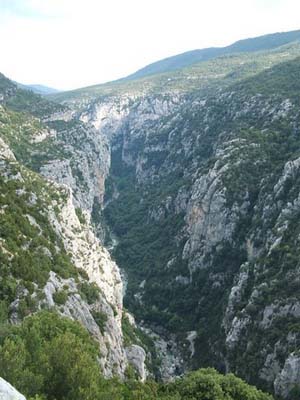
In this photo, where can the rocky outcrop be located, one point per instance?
(235, 297)
(83, 167)
(136, 356)
(5, 151)
(102, 315)
(8, 392)
(87, 252)
(208, 220)
(113, 358)
(289, 377)
(88, 255)
(128, 114)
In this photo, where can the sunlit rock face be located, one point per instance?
(89, 255)
(76, 184)
(8, 392)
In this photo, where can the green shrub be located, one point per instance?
(50, 356)
(89, 291)
(60, 297)
(101, 319)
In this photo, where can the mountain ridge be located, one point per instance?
(186, 79)
(185, 59)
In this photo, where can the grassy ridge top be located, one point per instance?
(221, 71)
(266, 42)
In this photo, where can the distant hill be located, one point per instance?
(39, 89)
(216, 72)
(266, 42)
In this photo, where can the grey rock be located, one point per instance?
(289, 376)
(136, 356)
(8, 392)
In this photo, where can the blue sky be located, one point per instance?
(74, 43)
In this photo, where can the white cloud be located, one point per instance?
(73, 43)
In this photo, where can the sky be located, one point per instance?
(68, 44)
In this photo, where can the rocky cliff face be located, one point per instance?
(83, 167)
(65, 267)
(88, 256)
(203, 197)
(200, 188)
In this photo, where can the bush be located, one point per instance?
(101, 319)
(60, 297)
(89, 291)
(208, 384)
(51, 356)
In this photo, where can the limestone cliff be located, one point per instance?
(56, 227)
(202, 195)
(196, 176)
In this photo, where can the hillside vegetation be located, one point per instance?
(191, 178)
(49, 357)
(179, 61)
(211, 74)
(202, 199)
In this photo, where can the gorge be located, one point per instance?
(185, 181)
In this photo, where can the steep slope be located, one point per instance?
(39, 229)
(200, 247)
(266, 42)
(202, 196)
(60, 292)
(50, 255)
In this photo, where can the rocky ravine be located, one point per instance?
(202, 193)
(215, 177)
(74, 160)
